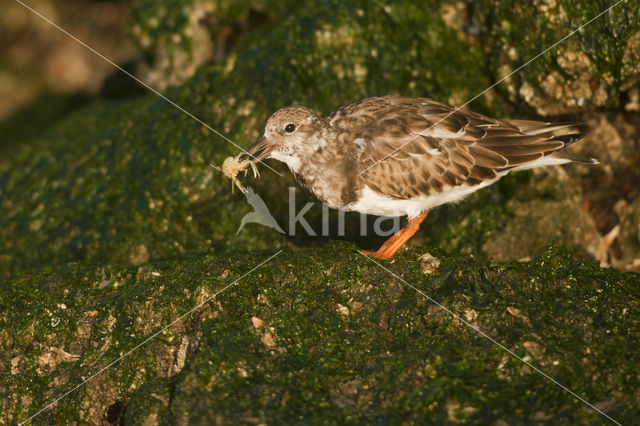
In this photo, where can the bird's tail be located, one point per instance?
(575, 158)
(568, 140)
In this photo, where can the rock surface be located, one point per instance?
(115, 227)
(311, 338)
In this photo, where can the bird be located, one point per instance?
(400, 156)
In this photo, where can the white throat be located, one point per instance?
(290, 160)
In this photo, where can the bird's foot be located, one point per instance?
(396, 241)
(380, 254)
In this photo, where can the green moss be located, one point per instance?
(347, 340)
(128, 180)
(33, 120)
(155, 24)
(591, 67)
(114, 226)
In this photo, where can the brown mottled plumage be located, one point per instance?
(397, 156)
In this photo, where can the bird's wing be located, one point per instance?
(420, 147)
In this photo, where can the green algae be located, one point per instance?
(114, 226)
(129, 180)
(348, 341)
(592, 67)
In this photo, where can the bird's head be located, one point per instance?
(288, 132)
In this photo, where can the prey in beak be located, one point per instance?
(241, 163)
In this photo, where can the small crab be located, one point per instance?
(233, 165)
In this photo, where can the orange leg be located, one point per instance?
(397, 240)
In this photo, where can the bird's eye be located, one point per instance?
(289, 128)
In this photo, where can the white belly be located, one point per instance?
(380, 205)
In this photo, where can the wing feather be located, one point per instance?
(420, 147)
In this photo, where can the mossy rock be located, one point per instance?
(517, 216)
(129, 180)
(591, 68)
(321, 335)
(114, 226)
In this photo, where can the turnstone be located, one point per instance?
(396, 156)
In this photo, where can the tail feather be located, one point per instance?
(534, 144)
(557, 155)
(575, 158)
(568, 139)
(529, 127)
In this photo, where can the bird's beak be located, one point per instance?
(259, 151)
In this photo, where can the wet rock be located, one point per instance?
(179, 37)
(577, 74)
(628, 238)
(17, 363)
(114, 227)
(574, 320)
(537, 223)
(176, 55)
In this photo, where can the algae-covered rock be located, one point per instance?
(119, 240)
(518, 215)
(589, 68)
(120, 182)
(178, 36)
(345, 340)
(629, 238)
(322, 335)
(128, 181)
